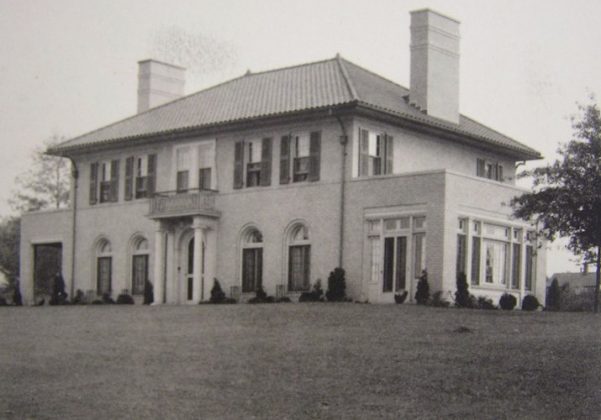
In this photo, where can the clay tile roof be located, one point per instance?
(321, 84)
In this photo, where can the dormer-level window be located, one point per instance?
(140, 176)
(300, 157)
(489, 169)
(252, 163)
(194, 167)
(253, 167)
(104, 181)
(375, 153)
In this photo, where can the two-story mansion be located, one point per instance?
(276, 178)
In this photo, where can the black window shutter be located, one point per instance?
(239, 165)
(285, 160)
(389, 154)
(315, 156)
(363, 152)
(129, 178)
(480, 167)
(114, 181)
(94, 183)
(500, 173)
(266, 162)
(152, 174)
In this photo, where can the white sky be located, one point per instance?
(70, 66)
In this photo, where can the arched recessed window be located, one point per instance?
(252, 260)
(299, 259)
(139, 264)
(104, 260)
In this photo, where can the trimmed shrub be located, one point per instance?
(553, 298)
(125, 299)
(217, 293)
(79, 298)
(507, 302)
(283, 299)
(261, 296)
(530, 303)
(463, 299)
(106, 298)
(422, 294)
(485, 303)
(148, 293)
(3, 301)
(97, 302)
(439, 301)
(336, 285)
(400, 297)
(315, 295)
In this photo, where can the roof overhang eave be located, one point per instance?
(231, 125)
(454, 134)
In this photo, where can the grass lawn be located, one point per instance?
(297, 361)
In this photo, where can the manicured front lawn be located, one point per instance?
(297, 361)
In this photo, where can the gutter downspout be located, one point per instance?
(75, 177)
(343, 142)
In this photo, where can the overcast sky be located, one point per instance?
(70, 66)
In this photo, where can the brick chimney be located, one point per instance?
(434, 84)
(159, 83)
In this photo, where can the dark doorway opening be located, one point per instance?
(47, 261)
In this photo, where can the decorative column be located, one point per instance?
(198, 240)
(159, 252)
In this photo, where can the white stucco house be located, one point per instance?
(275, 178)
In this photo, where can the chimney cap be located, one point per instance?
(152, 60)
(434, 12)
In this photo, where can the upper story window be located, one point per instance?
(375, 153)
(300, 157)
(104, 181)
(194, 167)
(140, 176)
(490, 170)
(252, 163)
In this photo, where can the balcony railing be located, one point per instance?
(191, 203)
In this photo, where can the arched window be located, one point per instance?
(299, 259)
(139, 264)
(104, 260)
(252, 260)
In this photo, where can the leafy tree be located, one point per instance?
(566, 199)
(9, 246)
(46, 184)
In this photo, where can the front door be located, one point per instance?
(189, 288)
(189, 274)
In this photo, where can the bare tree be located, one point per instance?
(200, 54)
(45, 184)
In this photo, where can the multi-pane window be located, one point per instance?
(375, 153)
(252, 260)
(184, 164)
(103, 268)
(490, 170)
(205, 163)
(299, 259)
(461, 247)
(253, 167)
(140, 174)
(252, 163)
(497, 255)
(139, 266)
(301, 163)
(398, 251)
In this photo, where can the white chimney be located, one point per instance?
(434, 85)
(159, 83)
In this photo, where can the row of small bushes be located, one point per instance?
(336, 292)
(464, 299)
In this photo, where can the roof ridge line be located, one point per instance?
(346, 77)
(373, 73)
(247, 74)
